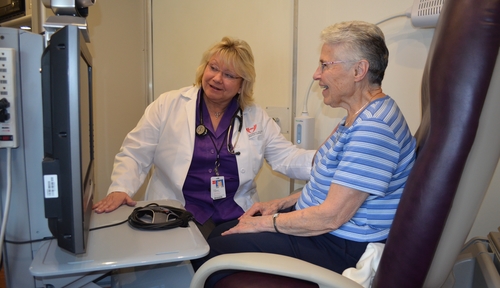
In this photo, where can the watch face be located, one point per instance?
(201, 130)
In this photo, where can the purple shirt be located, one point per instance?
(196, 188)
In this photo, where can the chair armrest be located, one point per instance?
(272, 264)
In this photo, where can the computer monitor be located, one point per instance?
(68, 172)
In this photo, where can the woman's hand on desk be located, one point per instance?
(113, 201)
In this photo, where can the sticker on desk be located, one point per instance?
(50, 187)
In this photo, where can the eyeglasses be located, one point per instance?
(225, 75)
(323, 65)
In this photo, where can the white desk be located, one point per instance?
(117, 247)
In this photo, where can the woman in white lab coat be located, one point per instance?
(206, 142)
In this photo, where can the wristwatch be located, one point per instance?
(274, 222)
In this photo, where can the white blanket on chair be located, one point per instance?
(367, 265)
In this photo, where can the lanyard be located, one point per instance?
(217, 159)
(201, 130)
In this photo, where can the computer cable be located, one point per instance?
(7, 199)
(149, 217)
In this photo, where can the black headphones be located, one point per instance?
(159, 217)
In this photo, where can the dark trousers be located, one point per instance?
(206, 228)
(325, 250)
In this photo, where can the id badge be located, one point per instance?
(217, 187)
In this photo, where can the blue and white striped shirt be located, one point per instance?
(374, 155)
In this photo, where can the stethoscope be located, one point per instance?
(201, 129)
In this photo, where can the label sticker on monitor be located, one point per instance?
(50, 186)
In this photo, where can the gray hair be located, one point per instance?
(360, 40)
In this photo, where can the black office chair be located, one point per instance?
(458, 149)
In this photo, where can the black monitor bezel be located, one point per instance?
(69, 213)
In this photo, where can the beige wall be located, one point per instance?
(183, 29)
(118, 46)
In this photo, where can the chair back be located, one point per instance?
(456, 155)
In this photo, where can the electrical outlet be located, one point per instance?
(8, 98)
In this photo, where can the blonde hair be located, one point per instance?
(233, 53)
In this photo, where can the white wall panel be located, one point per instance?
(117, 46)
(183, 30)
(408, 49)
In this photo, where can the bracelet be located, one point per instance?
(274, 222)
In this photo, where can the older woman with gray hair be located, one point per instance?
(358, 174)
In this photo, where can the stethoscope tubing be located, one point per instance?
(201, 129)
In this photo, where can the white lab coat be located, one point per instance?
(165, 137)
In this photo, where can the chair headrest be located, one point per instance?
(455, 83)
